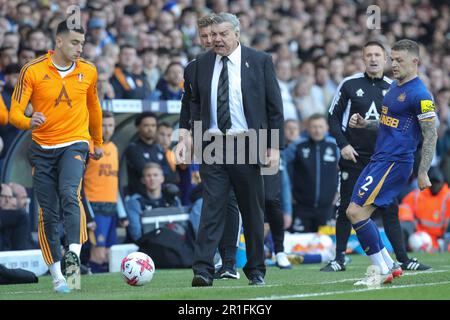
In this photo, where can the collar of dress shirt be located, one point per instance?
(234, 57)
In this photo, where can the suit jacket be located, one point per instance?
(263, 106)
(185, 113)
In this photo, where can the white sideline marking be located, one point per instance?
(319, 294)
(408, 273)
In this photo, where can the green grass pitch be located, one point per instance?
(302, 282)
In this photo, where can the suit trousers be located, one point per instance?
(247, 182)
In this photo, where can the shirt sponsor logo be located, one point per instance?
(389, 121)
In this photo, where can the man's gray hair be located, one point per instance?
(227, 17)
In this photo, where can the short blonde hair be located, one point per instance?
(205, 21)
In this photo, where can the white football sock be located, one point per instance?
(387, 258)
(75, 247)
(378, 260)
(55, 271)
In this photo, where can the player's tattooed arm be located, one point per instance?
(429, 144)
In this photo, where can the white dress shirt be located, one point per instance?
(238, 120)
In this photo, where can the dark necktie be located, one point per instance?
(223, 102)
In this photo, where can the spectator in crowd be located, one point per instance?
(143, 150)
(104, 87)
(291, 131)
(428, 210)
(284, 76)
(26, 54)
(323, 90)
(307, 104)
(7, 56)
(37, 40)
(9, 132)
(12, 40)
(315, 176)
(126, 84)
(170, 85)
(14, 222)
(164, 139)
(101, 187)
(98, 35)
(150, 67)
(21, 195)
(152, 197)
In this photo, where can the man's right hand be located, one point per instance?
(183, 149)
(423, 181)
(356, 121)
(348, 153)
(37, 119)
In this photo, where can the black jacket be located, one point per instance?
(357, 94)
(315, 172)
(129, 86)
(138, 154)
(263, 106)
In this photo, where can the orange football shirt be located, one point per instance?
(70, 104)
(101, 181)
(3, 112)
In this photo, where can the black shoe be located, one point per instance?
(333, 266)
(229, 273)
(256, 280)
(201, 281)
(414, 265)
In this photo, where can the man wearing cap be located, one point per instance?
(98, 35)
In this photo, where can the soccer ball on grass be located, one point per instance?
(137, 269)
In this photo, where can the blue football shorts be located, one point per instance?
(380, 183)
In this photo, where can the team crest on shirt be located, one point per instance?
(329, 156)
(146, 155)
(360, 92)
(80, 77)
(344, 175)
(401, 97)
(306, 152)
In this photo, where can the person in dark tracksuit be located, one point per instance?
(66, 116)
(360, 93)
(230, 240)
(315, 171)
(275, 217)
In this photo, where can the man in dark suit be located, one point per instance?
(234, 93)
(229, 241)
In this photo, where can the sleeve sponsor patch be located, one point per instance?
(426, 115)
(426, 106)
